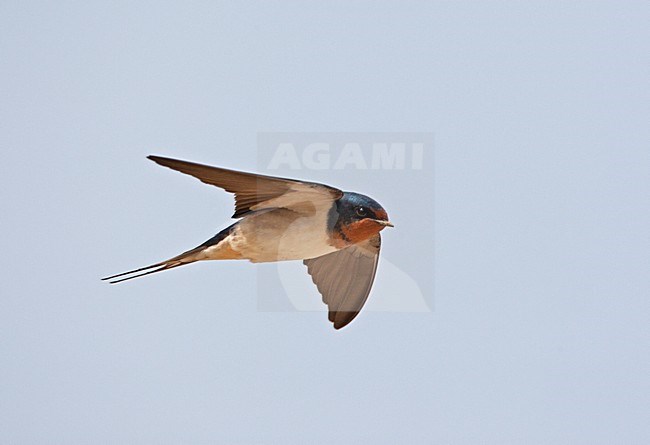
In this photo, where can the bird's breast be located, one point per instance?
(282, 234)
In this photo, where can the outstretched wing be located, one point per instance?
(344, 279)
(255, 192)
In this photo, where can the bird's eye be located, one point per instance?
(361, 211)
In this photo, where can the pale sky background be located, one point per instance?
(539, 332)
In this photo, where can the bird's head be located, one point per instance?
(357, 218)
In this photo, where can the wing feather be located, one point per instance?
(255, 192)
(344, 279)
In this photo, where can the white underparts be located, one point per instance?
(277, 235)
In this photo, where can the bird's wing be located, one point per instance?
(257, 192)
(344, 278)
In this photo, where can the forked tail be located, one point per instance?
(180, 260)
(188, 257)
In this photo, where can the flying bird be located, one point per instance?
(334, 233)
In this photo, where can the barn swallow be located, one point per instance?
(334, 233)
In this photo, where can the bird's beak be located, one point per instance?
(384, 223)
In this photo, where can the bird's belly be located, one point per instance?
(282, 235)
